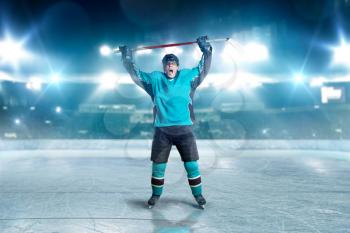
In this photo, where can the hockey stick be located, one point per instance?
(116, 50)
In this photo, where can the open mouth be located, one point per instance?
(171, 71)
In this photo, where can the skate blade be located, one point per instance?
(150, 206)
(202, 207)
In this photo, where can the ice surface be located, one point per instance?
(135, 144)
(89, 190)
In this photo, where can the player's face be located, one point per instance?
(170, 69)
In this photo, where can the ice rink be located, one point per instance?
(105, 190)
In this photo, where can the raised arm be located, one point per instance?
(205, 62)
(139, 77)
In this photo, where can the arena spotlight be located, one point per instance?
(265, 131)
(55, 78)
(34, 83)
(58, 109)
(105, 50)
(251, 52)
(298, 78)
(255, 52)
(17, 121)
(12, 52)
(229, 54)
(341, 54)
(108, 80)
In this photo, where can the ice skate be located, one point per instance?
(152, 201)
(201, 201)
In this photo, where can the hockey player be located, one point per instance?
(172, 94)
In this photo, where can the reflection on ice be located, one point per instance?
(105, 190)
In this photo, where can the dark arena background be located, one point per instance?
(272, 116)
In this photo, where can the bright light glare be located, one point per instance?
(175, 50)
(34, 84)
(243, 80)
(144, 51)
(246, 81)
(58, 109)
(298, 78)
(341, 54)
(5, 76)
(108, 80)
(230, 53)
(255, 52)
(197, 54)
(55, 78)
(317, 165)
(12, 52)
(17, 121)
(317, 82)
(265, 131)
(248, 53)
(105, 50)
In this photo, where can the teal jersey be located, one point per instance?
(172, 98)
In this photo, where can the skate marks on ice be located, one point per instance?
(257, 191)
(171, 214)
(164, 203)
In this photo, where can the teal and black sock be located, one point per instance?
(194, 177)
(158, 171)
